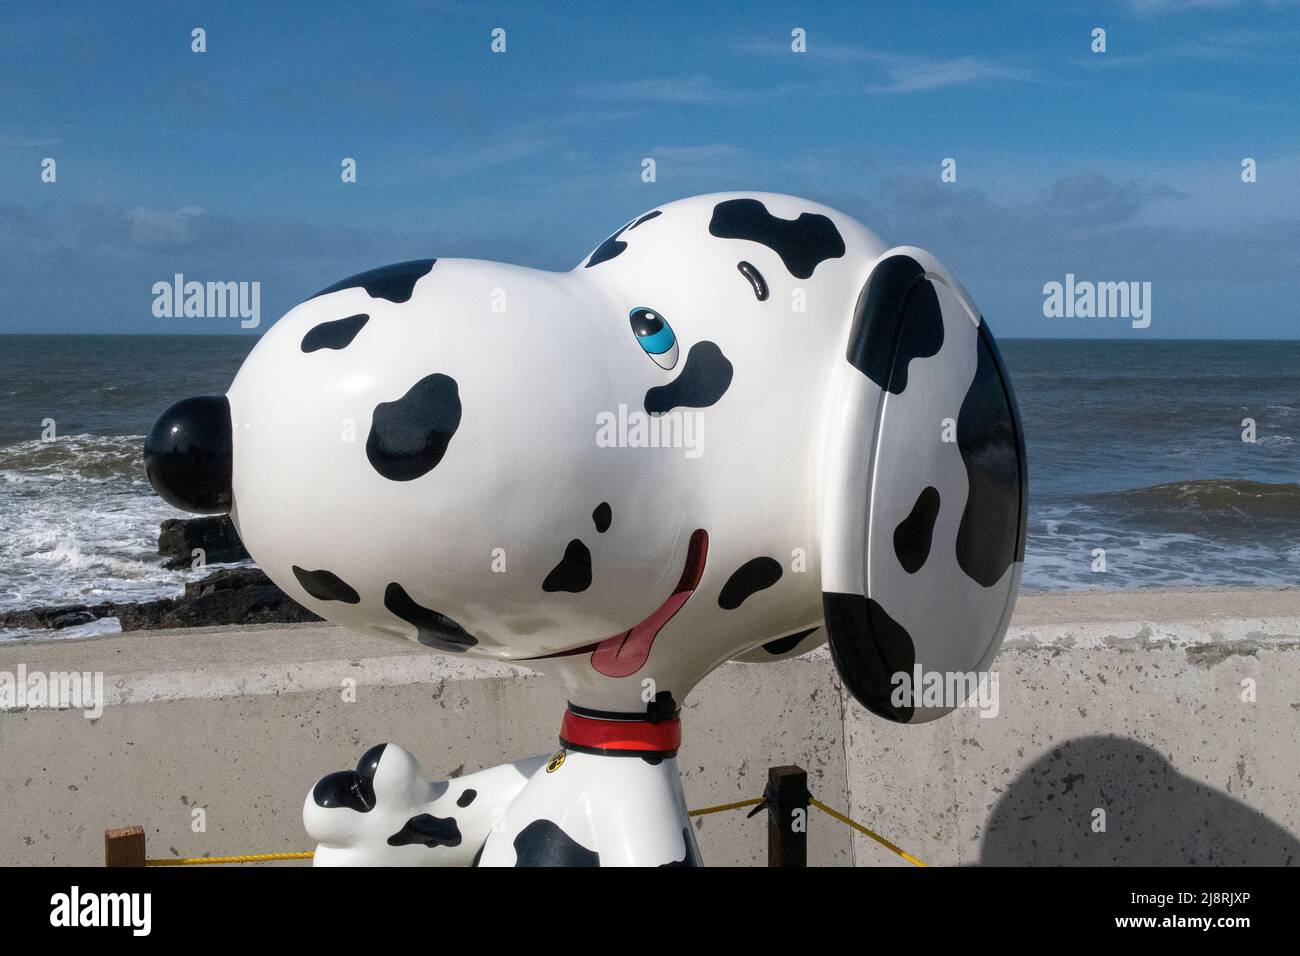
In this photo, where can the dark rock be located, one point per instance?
(73, 618)
(228, 579)
(55, 617)
(216, 535)
(228, 596)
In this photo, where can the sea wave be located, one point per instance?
(86, 458)
(79, 524)
(1223, 531)
(1225, 502)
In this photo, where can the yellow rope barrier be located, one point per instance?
(249, 858)
(724, 806)
(308, 854)
(863, 830)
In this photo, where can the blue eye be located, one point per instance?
(655, 335)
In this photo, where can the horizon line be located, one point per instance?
(1000, 338)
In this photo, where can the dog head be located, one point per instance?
(739, 427)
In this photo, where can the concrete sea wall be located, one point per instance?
(1139, 727)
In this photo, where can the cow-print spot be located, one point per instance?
(543, 843)
(612, 246)
(427, 829)
(602, 516)
(466, 798)
(354, 789)
(751, 577)
(914, 533)
(573, 573)
(868, 647)
(334, 335)
(409, 436)
(326, 586)
(646, 218)
(755, 279)
(703, 381)
(898, 319)
(688, 854)
(394, 283)
(991, 534)
(432, 629)
(801, 243)
(784, 645)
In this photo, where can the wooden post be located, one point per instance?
(787, 816)
(124, 847)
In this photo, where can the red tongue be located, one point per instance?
(624, 654)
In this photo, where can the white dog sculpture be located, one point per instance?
(741, 427)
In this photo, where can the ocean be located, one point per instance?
(1134, 448)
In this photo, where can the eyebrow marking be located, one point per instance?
(755, 279)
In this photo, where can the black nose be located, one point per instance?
(187, 455)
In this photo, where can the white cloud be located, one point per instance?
(903, 73)
(911, 74)
(690, 90)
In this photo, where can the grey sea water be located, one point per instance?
(1134, 447)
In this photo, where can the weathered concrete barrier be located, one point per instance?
(1148, 727)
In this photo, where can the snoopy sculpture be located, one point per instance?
(740, 428)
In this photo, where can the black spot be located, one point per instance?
(653, 760)
(602, 516)
(466, 798)
(898, 319)
(783, 645)
(325, 586)
(646, 218)
(543, 843)
(427, 829)
(751, 577)
(913, 534)
(688, 855)
(408, 437)
(573, 573)
(992, 531)
(394, 283)
(334, 335)
(354, 789)
(868, 647)
(801, 243)
(340, 789)
(703, 381)
(612, 247)
(432, 629)
(608, 249)
(755, 279)
(368, 765)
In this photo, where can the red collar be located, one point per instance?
(634, 738)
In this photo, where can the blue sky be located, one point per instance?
(225, 165)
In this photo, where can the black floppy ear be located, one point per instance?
(924, 494)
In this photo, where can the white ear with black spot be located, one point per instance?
(924, 492)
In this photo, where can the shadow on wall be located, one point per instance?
(1154, 815)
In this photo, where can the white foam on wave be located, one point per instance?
(103, 625)
(79, 524)
(1060, 555)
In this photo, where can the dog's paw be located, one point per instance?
(384, 813)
